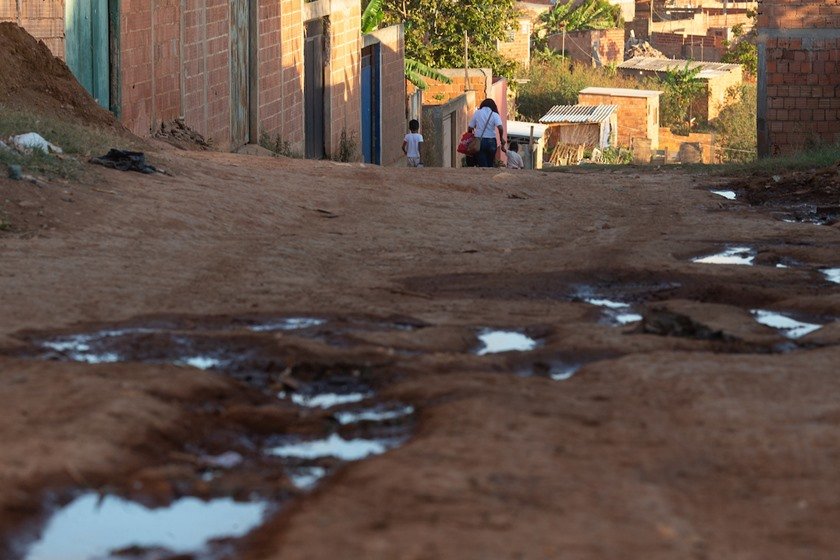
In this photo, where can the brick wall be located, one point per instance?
(707, 47)
(671, 143)
(269, 68)
(438, 93)
(638, 117)
(392, 84)
(799, 74)
(579, 45)
(518, 49)
(291, 74)
(43, 20)
(343, 78)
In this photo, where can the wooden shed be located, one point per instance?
(595, 126)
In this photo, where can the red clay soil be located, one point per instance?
(696, 433)
(668, 445)
(31, 78)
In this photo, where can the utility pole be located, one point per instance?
(563, 27)
(466, 61)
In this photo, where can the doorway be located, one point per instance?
(313, 88)
(371, 105)
(87, 46)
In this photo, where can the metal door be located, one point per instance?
(86, 46)
(239, 93)
(371, 105)
(313, 89)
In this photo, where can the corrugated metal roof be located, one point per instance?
(584, 114)
(520, 128)
(650, 64)
(622, 92)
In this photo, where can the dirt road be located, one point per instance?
(696, 432)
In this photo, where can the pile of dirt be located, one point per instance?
(32, 79)
(179, 134)
(818, 187)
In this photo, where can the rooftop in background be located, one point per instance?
(621, 92)
(648, 64)
(581, 114)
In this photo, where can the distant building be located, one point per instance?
(717, 77)
(596, 47)
(638, 112)
(516, 45)
(595, 126)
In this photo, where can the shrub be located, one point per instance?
(736, 125)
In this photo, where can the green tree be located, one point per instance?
(591, 14)
(415, 71)
(742, 49)
(735, 126)
(681, 88)
(434, 31)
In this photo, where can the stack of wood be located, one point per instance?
(567, 154)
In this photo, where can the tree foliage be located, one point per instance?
(742, 49)
(681, 88)
(434, 31)
(735, 126)
(591, 14)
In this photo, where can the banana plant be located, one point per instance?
(415, 70)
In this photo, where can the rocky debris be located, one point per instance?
(820, 187)
(636, 47)
(177, 133)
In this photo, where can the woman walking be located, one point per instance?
(484, 123)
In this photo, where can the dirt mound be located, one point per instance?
(820, 187)
(32, 79)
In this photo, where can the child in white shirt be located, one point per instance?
(412, 144)
(514, 160)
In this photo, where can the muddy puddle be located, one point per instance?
(810, 214)
(104, 527)
(788, 326)
(615, 312)
(497, 341)
(335, 416)
(728, 195)
(831, 274)
(741, 255)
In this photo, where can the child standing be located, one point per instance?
(412, 143)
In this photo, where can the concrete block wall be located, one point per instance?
(438, 93)
(206, 70)
(269, 68)
(43, 19)
(394, 123)
(291, 74)
(798, 74)
(638, 117)
(461, 108)
(517, 47)
(343, 78)
(579, 45)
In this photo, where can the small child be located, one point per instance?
(412, 144)
(514, 160)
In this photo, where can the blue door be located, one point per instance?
(86, 46)
(370, 104)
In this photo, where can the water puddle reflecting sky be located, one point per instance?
(791, 328)
(379, 414)
(90, 528)
(618, 311)
(287, 324)
(333, 446)
(504, 341)
(729, 195)
(733, 255)
(832, 274)
(325, 400)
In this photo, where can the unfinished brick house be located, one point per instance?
(233, 69)
(798, 74)
(595, 47)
